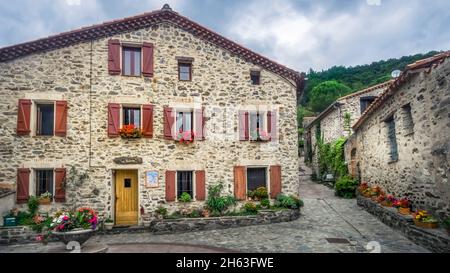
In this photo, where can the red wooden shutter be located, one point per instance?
(113, 119)
(169, 120)
(199, 124)
(243, 125)
(23, 185)
(147, 121)
(170, 186)
(240, 182)
(23, 117)
(200, 190)
(275, 181)
(61, 118)
(60, 185)
(272, 125)
(147, 60)
(114, 57)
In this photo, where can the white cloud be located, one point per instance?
(73, 2)
(320, 37)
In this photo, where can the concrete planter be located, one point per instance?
(80, 236)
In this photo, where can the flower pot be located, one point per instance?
(386, 204)
(404, 211)
(80, 236)
(374, 198)
(108, 226)
(45, 201)
(426, 224)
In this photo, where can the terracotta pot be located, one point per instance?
(374, 198)
(386, 204)
(425, 224)
(404, 211)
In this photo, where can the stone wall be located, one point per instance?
(436, 240)
(220, 82)
(422, 169)
(195, 224)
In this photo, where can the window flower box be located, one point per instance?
(259, 135)
(130, 131)
(185, 137)
(45, 198)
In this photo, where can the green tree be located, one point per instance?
(326, 93)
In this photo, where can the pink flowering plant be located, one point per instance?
(185, 136)
(83, 218)
(259, 135)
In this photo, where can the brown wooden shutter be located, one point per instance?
(272, 125)
(60, 185)
(113, 119)
(23, 185)
(275, 181)
(147, 121)
(243, 125)
(147, 60)
(114, 57)
(240, 182)
(169, 120)
(200, 191)
(199, 124)
(23, 117)
(170, 186)
(61, 118)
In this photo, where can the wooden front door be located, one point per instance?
(126, 197)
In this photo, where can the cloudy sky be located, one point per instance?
(301, 34)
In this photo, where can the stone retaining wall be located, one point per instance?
(17, 235)
(197, 224)
(435, 240)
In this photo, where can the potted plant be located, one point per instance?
(362, 187)
(404, 206)
(185, 198)
(160, 213)
(45, 198)
(76, 226)
(108, 223)
(389, 201)
(185, 137)
(260, 193)
(130, 131)
(447, 225)
(206, 213)
(425, 220)
(265, 203)
(381, 198)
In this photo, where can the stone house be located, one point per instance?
(335, 121)
(203, 109)
(402, 141)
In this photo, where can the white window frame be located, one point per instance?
(33, 179)
(267, 177)
(262, 113)
(34, 116)
(177, 110)
(130, 105)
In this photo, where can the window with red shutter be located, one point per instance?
(23, 117)
(170, 186)
(169, 119)
(114, 57)
(243, 125)
(23, 185)
(275, 181)
(147, 121)
(272, 125)
(60, 187)
(113, 119)
(147, 61)
(240, 181)
(200, 191)
(61, 118)
(199, 124)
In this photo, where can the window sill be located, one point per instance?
(409, 134)
(392, 161)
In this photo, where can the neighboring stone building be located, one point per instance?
(402, 142)
(67, 98)
(335, 121)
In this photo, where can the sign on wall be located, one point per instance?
(151, 179)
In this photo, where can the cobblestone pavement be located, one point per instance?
(324, 216)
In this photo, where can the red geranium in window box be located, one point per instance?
(185, 137)
(130, 131)
(259, 135)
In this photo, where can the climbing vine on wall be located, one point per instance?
(331, 157)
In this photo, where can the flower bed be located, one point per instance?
(263, 217)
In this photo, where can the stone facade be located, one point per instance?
(79, 74)
(420, 109)
(332, 123)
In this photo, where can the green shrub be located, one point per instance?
(216, 203)
(175, 215)
(33, 204)
(289, 202)
(185, 197)
(161, 211)
(265, 203)
(251, 194)
(195, 214)
(346, 187)
(261, 193)
(250, 208)
(447, 223)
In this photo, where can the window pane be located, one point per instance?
(256, 177)
(45, 119)
(184, 183)
(179, 121)
(137, 118)
(126, 62)
(44, 182)
(137, 62)
(253, 126)
(187, 126)
(132, 116)
(255, 77)
(185, 72)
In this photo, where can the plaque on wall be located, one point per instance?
(128, 160)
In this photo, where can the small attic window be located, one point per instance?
(255, 77)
